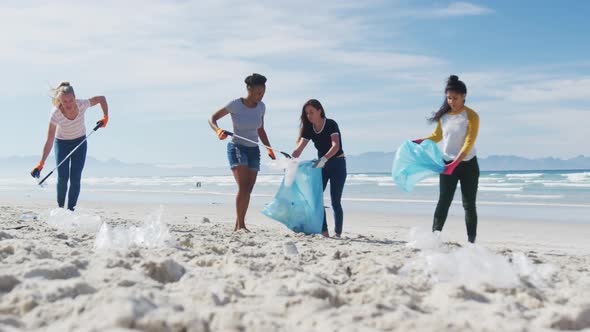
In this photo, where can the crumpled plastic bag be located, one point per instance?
(415, 162)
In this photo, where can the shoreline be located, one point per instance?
(560, 235)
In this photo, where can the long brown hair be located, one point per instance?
(305, 124)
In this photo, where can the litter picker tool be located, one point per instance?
(229, 133)
(98, 125)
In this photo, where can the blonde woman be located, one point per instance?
(67, 129)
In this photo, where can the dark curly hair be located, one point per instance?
(454, 85)
(255, 79)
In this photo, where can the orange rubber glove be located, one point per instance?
(36, 172)
(221, 134)
(104, 121)
(271, 154)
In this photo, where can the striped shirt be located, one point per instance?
(70, 129)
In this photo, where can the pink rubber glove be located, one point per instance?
(418, 141)
(450, 168)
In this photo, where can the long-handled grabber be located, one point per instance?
(229, 133)
(98, 125)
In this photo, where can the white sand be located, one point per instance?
(274, 280)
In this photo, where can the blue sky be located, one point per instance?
(379, 68)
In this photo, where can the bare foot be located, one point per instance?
(326, 234)
(338, 235)
(242, 228)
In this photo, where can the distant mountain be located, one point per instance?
(514, 163)
(373, 162)
(16, 166)
(369, 162)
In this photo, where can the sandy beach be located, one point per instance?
(159, 122)
(208, 278)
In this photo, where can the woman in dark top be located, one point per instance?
(326, 137)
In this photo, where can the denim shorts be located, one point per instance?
(243, 155)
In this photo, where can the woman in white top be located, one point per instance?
(67, 128)
(456, 130)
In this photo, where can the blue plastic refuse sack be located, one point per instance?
(414, 162)
(300, 205)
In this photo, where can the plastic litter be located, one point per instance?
(415, 162)
(153, 233)
(471, 265)
(290, 249)
(66, 220)
(28, 217)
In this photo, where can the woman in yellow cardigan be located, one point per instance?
(456, 129)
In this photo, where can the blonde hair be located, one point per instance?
(62, 88)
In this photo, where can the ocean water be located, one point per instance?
(544, 195)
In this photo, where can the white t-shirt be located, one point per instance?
(70, 129)
(457, 132)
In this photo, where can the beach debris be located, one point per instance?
(153, 233)
(536, 273)
(28, 216)
(424, 239)
(290, 249)
(66, 220)
(472, 265)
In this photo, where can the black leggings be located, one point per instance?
(468, 173)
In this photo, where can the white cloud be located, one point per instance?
(525, 85)
(454, 9)
(461, 9)
(189, 47)
(536, 132)
(553, 90)
(382, 61)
